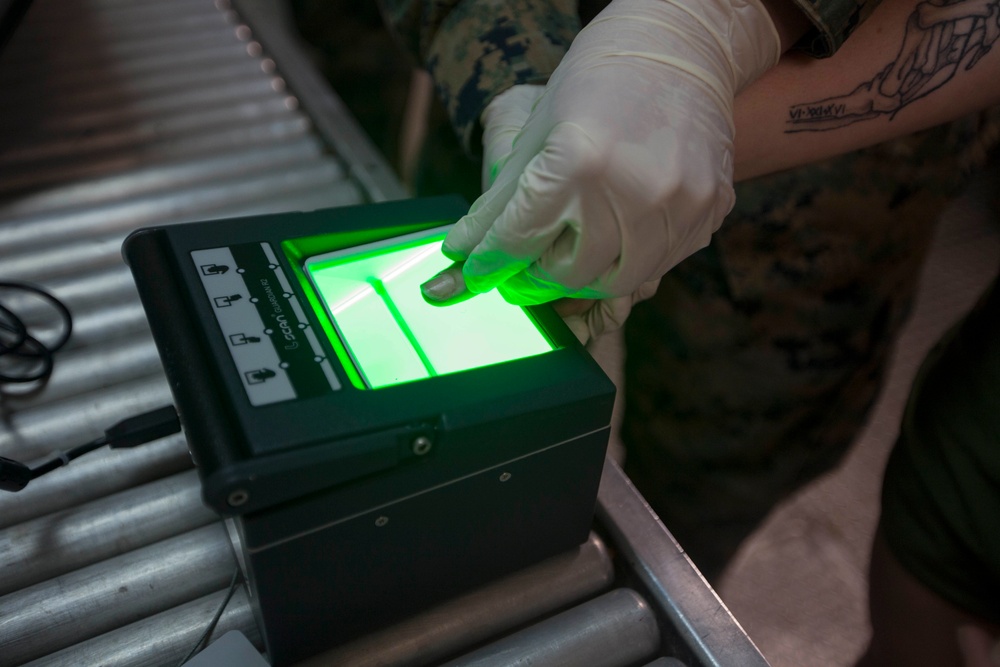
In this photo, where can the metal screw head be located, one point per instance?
(421, 445)
(381, 521)
(504, 476)
(237, 498)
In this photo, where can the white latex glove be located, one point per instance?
(502, 120)
(624, 166)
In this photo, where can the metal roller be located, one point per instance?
(615, 630)
(57, 145)
(35, 432)
(698, 620)
(116, 124)
(82, 294)
(80, 371)
(98, 288)
(185, 204)
(31, 73)
(487, 612)
(99, 104)
(162, 177)
(262, 131)
(137, 9)
(134, 24)
(21, 51)
(86, 603)
(45, 263)
(310, 201)
(100, 252)
(65, 541)
(163, 639)
(179, 94)
(97, 327)
(112, 49)
(332, 120)
(96, 475)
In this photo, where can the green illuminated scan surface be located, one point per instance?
(373, 297)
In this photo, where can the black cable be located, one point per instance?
(215, 620)
(23, 356)
(66, 457)
(130, 432)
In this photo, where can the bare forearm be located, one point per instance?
(912, 65)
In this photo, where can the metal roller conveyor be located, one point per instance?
(82, 293)
(99, 474)
(105, 103)
(119, 114)
(615, 630)
(98, 327)
(102, 597)
(161, 639)
(37, 431)
(163, 177)
(80, 372)
(68, 75)
(700, 628)
(53, 545)
(192, 203)
(43, 262)
(189, 148)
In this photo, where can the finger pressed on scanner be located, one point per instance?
(447, 287)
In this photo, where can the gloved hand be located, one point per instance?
(502, 120)
(624, 166)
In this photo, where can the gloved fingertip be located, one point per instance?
(478, 284)
(446, 288)
(453, 254)
(438, 288)
(443, 286)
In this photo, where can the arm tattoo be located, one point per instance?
(939, 40)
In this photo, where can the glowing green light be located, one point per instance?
(372, 294)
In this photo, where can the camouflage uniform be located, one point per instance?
(752, 369)
(755, 364)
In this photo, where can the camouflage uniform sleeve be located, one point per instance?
(833, 22)
(476, 49)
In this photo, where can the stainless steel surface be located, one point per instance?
(615, 630)
(60, 612)
(701, 626)
(485, 613)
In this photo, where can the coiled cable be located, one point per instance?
(24, 356)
